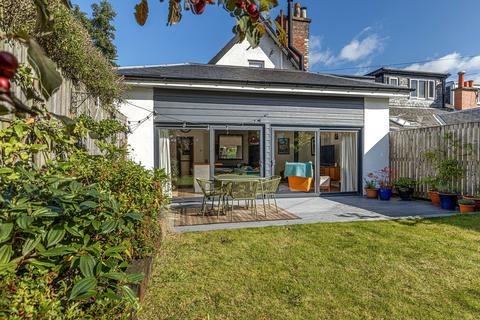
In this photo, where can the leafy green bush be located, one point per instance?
(404, 184)
(80, 219)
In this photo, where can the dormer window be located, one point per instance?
(392, 81)
(422, 89)
(256, 63)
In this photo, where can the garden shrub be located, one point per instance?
(69, 229)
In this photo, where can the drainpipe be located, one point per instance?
(301, 58)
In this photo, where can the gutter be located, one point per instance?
(351, 92)
(301, 58)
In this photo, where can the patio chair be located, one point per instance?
(269, 190)
(210, 190)
(244, 190)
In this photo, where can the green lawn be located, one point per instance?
(422, 269)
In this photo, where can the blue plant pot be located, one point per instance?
(385, 194)
(448, 201)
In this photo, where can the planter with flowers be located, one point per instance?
(371, 188)
(466, 205)
(384, 181)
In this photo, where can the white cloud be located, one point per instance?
(317, 55)
(362, 47)
(359, 49)
(451, 63)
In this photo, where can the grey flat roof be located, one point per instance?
(408, 73)
(247, 75)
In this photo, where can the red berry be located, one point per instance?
(4, 84)
(8, 64)
(252, 9)
(199, 7)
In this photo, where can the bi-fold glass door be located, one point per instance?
(189, 153)
(313, 161)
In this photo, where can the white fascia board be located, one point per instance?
(265, 89)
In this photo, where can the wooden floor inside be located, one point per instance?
(191, 216)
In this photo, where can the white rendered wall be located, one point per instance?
(376, 146)
(267, 51)
(141, 139)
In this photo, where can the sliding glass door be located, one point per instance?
(294, 160)
(185, 156)
(315, 161)
(338, 161)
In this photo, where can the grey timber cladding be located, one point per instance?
(178, 106)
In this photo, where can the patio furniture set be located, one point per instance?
(225, 189)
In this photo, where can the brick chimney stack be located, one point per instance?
(465, 94)
(300, 32)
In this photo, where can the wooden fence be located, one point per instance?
(407, 148)
(70, 100)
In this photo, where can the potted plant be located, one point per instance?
(371, 186)
(385, 190)
(432, 189)
(405, 187)
(447, 170)
(466, 205)
(476, 199)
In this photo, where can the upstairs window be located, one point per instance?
(422, 89)
(392, 81)
(431, 89)
(256, 63)
(414, 86)
(422, 92)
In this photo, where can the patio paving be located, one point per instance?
(335, 209)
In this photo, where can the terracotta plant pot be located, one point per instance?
(467, 208)
(372, 193)
(477, 201)
(434, 197)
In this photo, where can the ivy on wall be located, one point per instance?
(68, 44)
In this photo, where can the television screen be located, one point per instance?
(327, 155)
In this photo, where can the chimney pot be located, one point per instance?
(304, 12)
(470, 83)
(461, 79)
(297, 10)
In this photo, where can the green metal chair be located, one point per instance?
(244, 190)
(210, 191)
(269, 190)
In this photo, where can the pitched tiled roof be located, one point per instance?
(246, 75)
(463, 116)
(404, 118)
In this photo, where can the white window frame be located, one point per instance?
(434, 90)
(389, 80)
(256, 63)
(416, 90)
(427, 93)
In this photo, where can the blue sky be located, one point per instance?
(347, 36)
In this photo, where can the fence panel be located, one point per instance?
(70, 100)
(407, 148)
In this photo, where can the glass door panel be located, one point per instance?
(187, 153)
(237, 152)
(338, 162)
(294, 161)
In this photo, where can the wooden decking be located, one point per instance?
(191, 216)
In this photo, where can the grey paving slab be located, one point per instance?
(336, 209)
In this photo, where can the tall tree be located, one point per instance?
(100, 27)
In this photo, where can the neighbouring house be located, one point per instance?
(461, 94)
(201, 120)
(426, 102)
